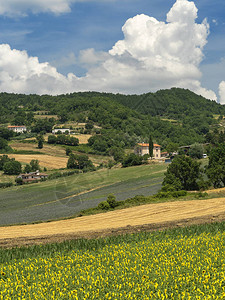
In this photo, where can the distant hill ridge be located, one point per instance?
(171, 103)
(173, 115)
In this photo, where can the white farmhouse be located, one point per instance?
(61, 130)
(18, 129)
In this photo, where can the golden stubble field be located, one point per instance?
(48, 161)
(144, 216)
(56, 151)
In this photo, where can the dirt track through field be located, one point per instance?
(146, 217)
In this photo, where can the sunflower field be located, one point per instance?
(186, 263)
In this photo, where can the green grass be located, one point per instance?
(67, 196)
(181, 263)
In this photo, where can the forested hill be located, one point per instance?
(175, 103)
(174, 115)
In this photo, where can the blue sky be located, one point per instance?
(59, 33)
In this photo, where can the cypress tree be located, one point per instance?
(150, 146)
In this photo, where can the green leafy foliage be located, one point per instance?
(216, 167)
(80, 162)
(43, 125)
(183, 173)
(151, 146)
(196, 151)
(40, 140)
(104, 205)
(111, 199)
(6, 134)
(34, 163)
(3, 160)
(132, 160)
(63, 139)
(12, 167)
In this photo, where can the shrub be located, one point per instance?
(171, 194)
(111, 199)
(4, 185)
(132, 160)
(201, 195)
(104, 205)
(68, 151)
(177, 194)
(19, 181)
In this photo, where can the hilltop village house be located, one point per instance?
(32, 176)
(143, 148)
(61, 130)
(18, 129)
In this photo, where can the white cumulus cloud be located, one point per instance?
(222, 92)
(153, 55)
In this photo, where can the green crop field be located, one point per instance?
(185, 263)
(67, 196)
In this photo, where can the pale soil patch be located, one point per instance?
(83, 138)
(151, 216)
(46, 116)
(218, 191)
(50, 162)
(7, 178)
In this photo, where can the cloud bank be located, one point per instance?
(153, 55)
(22, 7)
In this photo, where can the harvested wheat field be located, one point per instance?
(47, 149)
(48, 161)
(145, 217)
(83, 138)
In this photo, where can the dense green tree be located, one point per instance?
(172, 147)
(40, 141)
(63, 139)
(84, 163)
(183, 173)
(68, 151)
(34, 163)
(63, 116)
(72, 162)
(27, 169)
(6, 134)
(12, 167)
(19, 118)
(216, 167)
(150, 146)
(117, 153)
(52, 139)
(132, 160)
(89, 126)
(80, 162)
(196, 151)
(3, 144)
(3, 160)
(43, 125)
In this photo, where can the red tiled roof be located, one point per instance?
(16, 126)
(147, 145)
